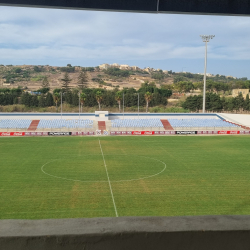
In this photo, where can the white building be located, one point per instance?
(125, 66)
(104, 66)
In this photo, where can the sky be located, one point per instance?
(57, 37)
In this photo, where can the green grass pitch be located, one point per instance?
(65, 177)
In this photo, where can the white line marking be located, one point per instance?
(142, 178)
(108, 179)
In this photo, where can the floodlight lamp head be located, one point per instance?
(206, 38)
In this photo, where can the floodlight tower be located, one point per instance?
(205, 39)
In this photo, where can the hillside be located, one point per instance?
(32, 76)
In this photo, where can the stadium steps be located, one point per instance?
(166, 124)
(101, 125)
(33, 125)
(242, 126)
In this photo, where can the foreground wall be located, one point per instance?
(133, 233)
(225, 7)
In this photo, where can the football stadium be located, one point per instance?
(110, 165)
(117, 181)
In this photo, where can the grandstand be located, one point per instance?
(129, 122)
(22, 124)
(45, 124)
(173, 124)
(67, 124)
(209, 124)
(136, 123)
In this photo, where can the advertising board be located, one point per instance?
(59, 133)
(230, 132)
(185, 132)
(12, 133)
(143, 132)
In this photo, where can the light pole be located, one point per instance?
(61, 103)
(79, 106)
(205, 39)
(123, 105)
(138, 104)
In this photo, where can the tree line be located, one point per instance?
(211, 86)
(148, 95)
(216, 103)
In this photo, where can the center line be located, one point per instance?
(108, 179)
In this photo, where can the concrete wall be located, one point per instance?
(237, 118)
(133, 233)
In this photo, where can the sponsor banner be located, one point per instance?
(199, 132)
(233, 132)
(129, 132)
(157, 132)
(105, 132)
(118, 132)
(143, 132)
(230, 132)
(242, 132)
(59, 133)
(161, 132)
(12, 133)
(36, 133)
(98, 132)
(247, 132)
(75, 133)
(186, 132)
(124, 132)
(136, 132)
(204, 132)
(89, 133)
(112, 133)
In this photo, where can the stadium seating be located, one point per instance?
(138, 123)
(62, 123)
(176, 124)
(14, 123)
(196, 123)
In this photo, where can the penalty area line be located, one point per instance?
(110, 187)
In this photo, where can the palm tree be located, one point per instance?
(98, 97)
(118, 98)
(56, 99)
(148, 98)
(82, 99)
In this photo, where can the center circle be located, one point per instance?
(91, 168)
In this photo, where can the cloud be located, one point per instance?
(30, 33)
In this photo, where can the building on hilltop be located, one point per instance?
(148, 69)
(104, 66)
(125, 66)
(135, 68)
(115, 65)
